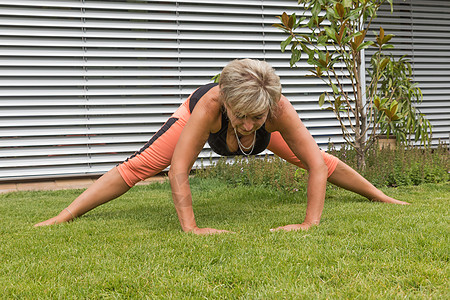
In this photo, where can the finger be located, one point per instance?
(207, 231)
(277, 229)
(217, 231)
(287, 228)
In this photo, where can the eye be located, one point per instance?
(240, 117)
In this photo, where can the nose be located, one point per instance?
(248, 124)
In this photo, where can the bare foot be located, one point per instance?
(63, 216)
(51, 221)
(387, 199)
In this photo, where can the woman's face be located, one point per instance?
(246, 124)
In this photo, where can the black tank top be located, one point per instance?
(218, 141)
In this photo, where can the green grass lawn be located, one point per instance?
(133, 247)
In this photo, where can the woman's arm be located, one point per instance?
(192, 139)
(302, 144)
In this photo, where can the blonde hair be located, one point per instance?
(250, 86)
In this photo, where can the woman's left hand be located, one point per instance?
(292, 227)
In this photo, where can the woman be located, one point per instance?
(245, 114)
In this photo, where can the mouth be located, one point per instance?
(245, 132)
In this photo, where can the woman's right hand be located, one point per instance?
(206, 231)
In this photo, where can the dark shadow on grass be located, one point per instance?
(160, 216)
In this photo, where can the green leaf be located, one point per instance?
(340, 10)
(316, 10)
(417, 135)
(387, 38)
(387, 113)
(216, 78)
(380, 36)
(299, 22)
(322, 63)
(319, 72)
(285, 19)
(347, 3)
(384, 62)
(335, 89)
(305, 37)
(292, 21)
(337, 103)
(331, 33)
(364, 45)
(322, 40)
(387, 46)
(331, 14)
(295, 56)
(356, 34)
(358, 39)
(307, 50)
(376, 102)
(322, 99)
(285, 43)
(279, 26)
(393, 109)
(342, 31)
(391, 2)
(346, 40)
(312, 61)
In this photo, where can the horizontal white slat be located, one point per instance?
(94, 62)
(77, 140)
(57, 34)
(78, 43)
(62, 102)
(91, 23)
(93, 120)
(92, 81)
(97, 72)
(106, 53)
(61, 91)
(144, 5)
(131, 110)
(162, 15)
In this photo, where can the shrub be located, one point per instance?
(268, 171)
(385, 167)
(402, 166)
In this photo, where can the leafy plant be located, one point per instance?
(332, 33)
(268, 171)
(400, 166)
(394, 101)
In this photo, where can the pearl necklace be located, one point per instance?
(242, 147)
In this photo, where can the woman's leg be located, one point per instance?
(339, 173)
(110, 186)
(154, 157)
(279, 147)
(347, 178)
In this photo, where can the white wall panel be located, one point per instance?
(84, 84)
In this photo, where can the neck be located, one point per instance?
(242, 147)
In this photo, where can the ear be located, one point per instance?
(225, 107)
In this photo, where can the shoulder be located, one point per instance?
(283, 113)
(209, 109)
(210, 101)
